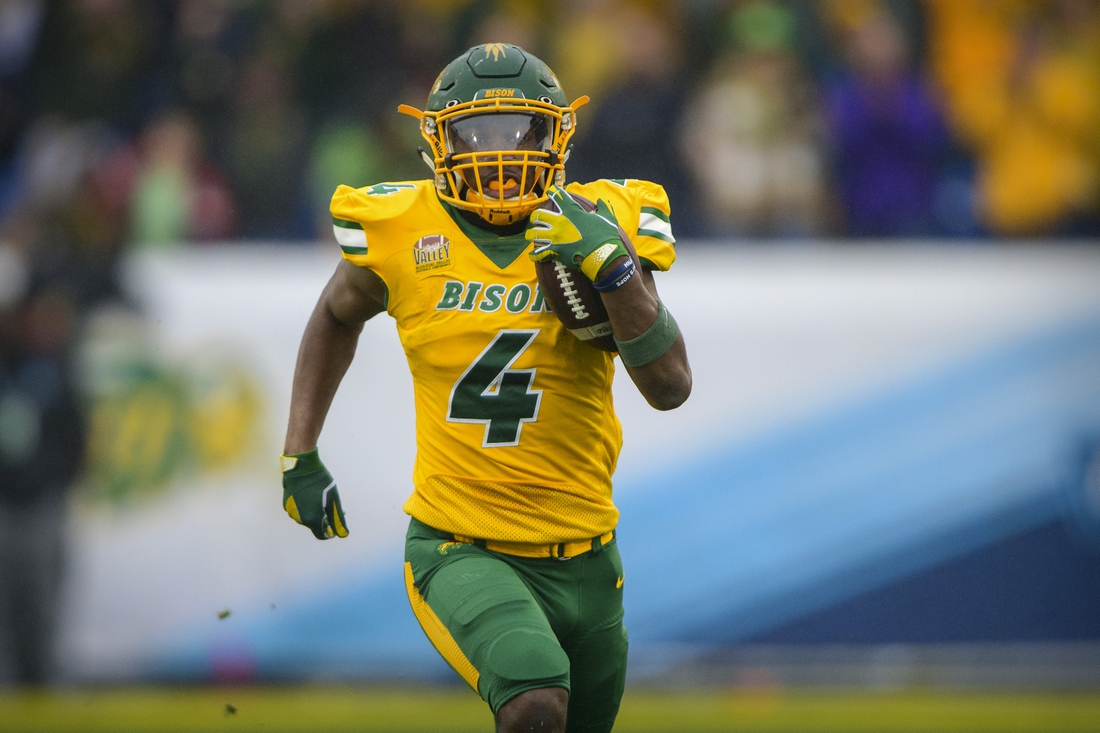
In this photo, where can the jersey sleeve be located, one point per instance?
(347, 224)
(370, 223)
(654, 241)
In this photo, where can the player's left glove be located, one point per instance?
(583, 240)
(310, 496)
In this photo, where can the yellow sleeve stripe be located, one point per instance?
(350, 236)
(654, 223)
(438, 634)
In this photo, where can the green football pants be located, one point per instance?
(509, 624)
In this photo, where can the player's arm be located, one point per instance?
(352, 296)
(649, 341)
(645, 332)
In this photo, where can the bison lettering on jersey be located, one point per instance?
(467, 297)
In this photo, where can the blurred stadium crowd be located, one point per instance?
(127, 123)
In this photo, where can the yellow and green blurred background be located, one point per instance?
(887, 215)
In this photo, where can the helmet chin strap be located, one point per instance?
(424, 156)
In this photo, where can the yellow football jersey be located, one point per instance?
(516, 434)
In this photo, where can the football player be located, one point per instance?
(511, 562)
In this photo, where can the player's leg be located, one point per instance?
(597, 678)
(582, 598)
(597, 651)
(483, 620)
(542, 710)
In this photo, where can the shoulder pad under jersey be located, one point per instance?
(359, 212)
(643, 211)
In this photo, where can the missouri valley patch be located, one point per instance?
(432, 252)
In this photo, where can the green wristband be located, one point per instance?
(657, 339)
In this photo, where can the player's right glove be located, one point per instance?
(310, 496)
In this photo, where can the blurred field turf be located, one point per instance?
(308, 709)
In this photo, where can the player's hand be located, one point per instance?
(310, 496)
(583, 240)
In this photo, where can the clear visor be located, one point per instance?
(508, 131)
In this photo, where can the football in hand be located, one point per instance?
(573, 299)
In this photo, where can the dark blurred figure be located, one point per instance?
(98, 60)
(71, 210)
(42, 438)
(636, 99)
(204, 37)
(20, 21)
(267, 148)
(889, 136)
(751, 131)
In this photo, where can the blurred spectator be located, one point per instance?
(625, 133)
(354, 62)
(20, 21)
(268, 92)
(1023, 85)
(751, 132)
(178, 196)
(70, 212)
(205, 37)
(42, 436)
(515, 23)
(99, 60)
(431, 33)
(54, 157)
(345, 152)
(267, 149)
(586, 48)
(888, 135)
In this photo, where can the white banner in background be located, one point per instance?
(774, 333)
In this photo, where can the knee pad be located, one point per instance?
(520, 660)
(527, 655)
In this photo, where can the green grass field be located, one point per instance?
(308, 709)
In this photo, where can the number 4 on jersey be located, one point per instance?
(489, 392)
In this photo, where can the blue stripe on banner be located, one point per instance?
(861, 496)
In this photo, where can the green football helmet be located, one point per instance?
(498, 128)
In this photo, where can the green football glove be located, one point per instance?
(310, 496)
(583, 240)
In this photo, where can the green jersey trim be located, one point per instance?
(501, 251)
(350, 236)
(653, 211)
(654, 223)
